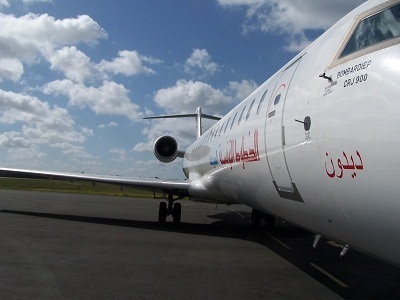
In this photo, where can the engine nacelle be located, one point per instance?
(166, 149)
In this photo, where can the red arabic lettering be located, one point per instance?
(333, 171)
(245, 154)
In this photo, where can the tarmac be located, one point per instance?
(66, 246)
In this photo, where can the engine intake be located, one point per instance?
(166, 149)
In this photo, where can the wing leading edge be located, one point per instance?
(175, 187)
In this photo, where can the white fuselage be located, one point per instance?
(337, 178)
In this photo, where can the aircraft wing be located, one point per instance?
(177, 187)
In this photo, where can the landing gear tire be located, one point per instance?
(256, 217)
(162, 212)
(176, 213)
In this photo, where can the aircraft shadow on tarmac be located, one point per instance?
(364, 277)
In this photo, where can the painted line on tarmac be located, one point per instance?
(243, 217)
(329, 275)
(278, 241)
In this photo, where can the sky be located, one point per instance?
(77, 77)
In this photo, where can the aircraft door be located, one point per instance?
(275, 137)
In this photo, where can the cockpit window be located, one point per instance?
(374, 29)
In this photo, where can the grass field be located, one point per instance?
(77, 187)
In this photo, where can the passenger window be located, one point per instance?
(374, 29)
(241, 115)
(261, 102)
(251, 106)
(233, 121)
(227, 124)
(215, 132)
(220, 130)
(277, 99)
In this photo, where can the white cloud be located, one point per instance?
(33, 1)
(127, 63)
(200, 63)
(45, 35)
(13, 139)
(121, 154)
(240, 90)
(44, 133)
(109, 125)
(47, 32)
(87, 131)
(186, 96)
(4, 3)
(77, 66)
(24, 154)
(73, 151)
(55, 40)
(24, 108)
(40, 124)
(74, 64)
(240, 2)
(109, 98)
(11, 69)
(37, 39)
(292, 18)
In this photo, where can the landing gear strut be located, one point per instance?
(257, 216)
(173, 209)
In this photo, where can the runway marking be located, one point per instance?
(329, 275)
(278, 241)
(243, 217)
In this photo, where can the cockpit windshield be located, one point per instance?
(374, 29)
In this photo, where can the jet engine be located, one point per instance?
(166, 149)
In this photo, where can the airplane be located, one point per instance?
(316, 144)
